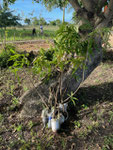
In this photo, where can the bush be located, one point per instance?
(5, 55)
(9, 57)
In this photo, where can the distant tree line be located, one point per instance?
(41, 21)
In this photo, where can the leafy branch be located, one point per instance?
(70, 51)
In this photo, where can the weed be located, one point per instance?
(33, 134)
(111, 116)
(25, 146)
(91, 117)
(30, 124)
(89, 127)
(64, 143)
(1, 138)
(1, 118)
(15, 101)
(84, 106)
(25, 88)
(108, 142)
(77, 124)
(83, 134)
(39, 147)
(10, 85)
(1, 94)
(17, 128)
(73, 99)
(95, 110)
(49, 141)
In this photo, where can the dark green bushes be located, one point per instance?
(10, 57)
(5, 55)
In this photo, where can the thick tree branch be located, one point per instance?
(101, 4)
(107, 21)
(75, 4)
(103, 24)
(99, 16)
(109, 11)
(80, 11)
(108, 16)
(89, 5)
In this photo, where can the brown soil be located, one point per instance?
(34, 45)
(90, 123)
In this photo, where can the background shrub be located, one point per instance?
(5, 55)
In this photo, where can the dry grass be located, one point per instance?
(111, 40)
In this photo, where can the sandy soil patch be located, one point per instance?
(34, 46)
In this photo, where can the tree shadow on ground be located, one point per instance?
(89, 97)
(108, 56)
(98, 93)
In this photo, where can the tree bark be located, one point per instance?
(30, 100)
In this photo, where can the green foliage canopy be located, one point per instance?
(69, 49)
(39, 21)
(49, 4)
(42, 21)
(35, 21)
(27, 21)
(56, 22)
(8, 19)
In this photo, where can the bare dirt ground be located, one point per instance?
(34, 45)
(30, 45)
(90, 123)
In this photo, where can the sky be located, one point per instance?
(27, 9)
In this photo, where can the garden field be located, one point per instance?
(25, 33)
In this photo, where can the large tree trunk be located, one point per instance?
(91, 11)
(31, 99)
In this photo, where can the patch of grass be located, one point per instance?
(77, 124)
(30, 124)
(1, 118)
(25, 88)
(64, 143)
(15, 34)
(111, 116)
(1, 95)
(108, 142)
(83, 134)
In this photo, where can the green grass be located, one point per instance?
(25, 33)
(108, 142)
